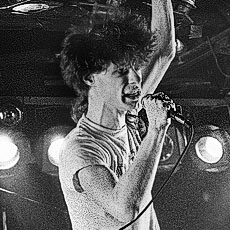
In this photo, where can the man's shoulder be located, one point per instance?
(77, 137)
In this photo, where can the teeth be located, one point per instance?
(132, 94)
(132, 91)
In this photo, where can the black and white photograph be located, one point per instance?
(114, 115)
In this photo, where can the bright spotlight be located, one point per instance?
(15, 152)
(9, 154)
(54, 149)
(209, 149)
(48, 147)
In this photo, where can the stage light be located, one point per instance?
(210, 149)
(15, 152)
(183, 7)
(31, 7)
(53, 151)
(48, 147)
(173, 147)
(10, 3)
(186, 5)
(9, 154)
(10, 114)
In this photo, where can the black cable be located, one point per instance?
(147, 206)
(166, 181)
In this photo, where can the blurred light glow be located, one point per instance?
(31, 7)
(209, 149)
(54, 150)
(179, 46)
(9, 154)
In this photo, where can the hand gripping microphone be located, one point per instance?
(176, 115)
(174, 111)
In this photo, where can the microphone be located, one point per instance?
(176, 114)
(174, 111)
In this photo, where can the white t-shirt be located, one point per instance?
(90, 144)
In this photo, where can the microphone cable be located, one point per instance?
(141, 213)
(166, 181)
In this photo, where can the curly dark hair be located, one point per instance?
(124, 39)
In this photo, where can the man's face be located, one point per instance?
(119, 87)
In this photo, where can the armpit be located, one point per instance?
(76, 182)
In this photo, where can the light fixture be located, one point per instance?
(11, 3)
(186, 5)
(15, 152)
(27, 7)
(31, 7)
(48, 148)
(210, 149)
(10, 113)
(54, 149)
(173, 147)
(184, 23)
(9, 154)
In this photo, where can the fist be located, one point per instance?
(157, 107)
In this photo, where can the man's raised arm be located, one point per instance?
(162, 22)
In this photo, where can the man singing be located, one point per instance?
(106, 169)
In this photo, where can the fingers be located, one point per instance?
(157, 107)
(166, 101)
(169, 105)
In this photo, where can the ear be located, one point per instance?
(89, 80)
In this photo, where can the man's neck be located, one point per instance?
(105, 116)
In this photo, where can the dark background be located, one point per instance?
(198, 79)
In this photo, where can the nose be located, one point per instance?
(134, 76)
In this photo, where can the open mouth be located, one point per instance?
(132, 96)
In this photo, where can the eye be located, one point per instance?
(123, 70)
(137, 67)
